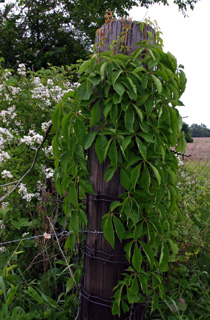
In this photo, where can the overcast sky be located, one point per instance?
(188, 40)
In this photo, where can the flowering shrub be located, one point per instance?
(27, 194)
(27, 100)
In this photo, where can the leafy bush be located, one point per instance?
(187, 283)
(33, 276)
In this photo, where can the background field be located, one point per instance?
(199, 149)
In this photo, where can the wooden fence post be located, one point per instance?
(103, 265)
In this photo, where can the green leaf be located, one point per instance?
(173, 246)
(56, 117)
(83, 217)
(66, 126)
(125, 179)
(119, 227)
(138, 231)
(143, 281)
(129, 119)
(73, 195)
(137, 258)
(140, 115)
(114, 114)
(142, 98)
(113, 154)
(127, 249)
(148, 137)
(126, 142)
(117, 98)
(125, 307)
(154, 302)
(103, 70)
(164, 257)
(139, 69)
(156, 172)
(109, 174)
(80, 130)
(142, 148)
(85, 66)
(137, 53)
(74, 223)
(119, 88)
(95, 114)
(135, 173)
(86, 186)
(133, 291)
(107, 108)
(90, 137)
(34, 294)
(133, 214)
(115, 205)
(132, 85)
(3, 287)
(116, 309)
(94, 79)
(115, 76)
(11, 294)
(148, 252)
(84, 91)
(182, 144)
(157, 83)
(109, 231)
(145, 179)
(100, 146)
(172, 197)
(149, 106)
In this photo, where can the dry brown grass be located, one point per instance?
(199, 149)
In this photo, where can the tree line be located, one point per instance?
(59, 32)
(195, 130)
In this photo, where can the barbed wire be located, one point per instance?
(48, 236)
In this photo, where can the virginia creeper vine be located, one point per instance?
(126, 106)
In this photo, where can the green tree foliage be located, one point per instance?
(186, 129)
(199, 130)
(58, 32)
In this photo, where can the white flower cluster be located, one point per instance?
(48, 172)
(4, 205)
(25, 194)
(2, 226)
(21, 69)
(2, 249)
(13, 90)
(8, 114)
(32, 138)
(2, 88)
(48, 151)
(45, 125)
(6, 174)
(3, 156)
(25, 234)
(57, 93)
(7, 74)
(50, 92)
(41, 92)
(5, 137)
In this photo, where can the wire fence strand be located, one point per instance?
(51, 235)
